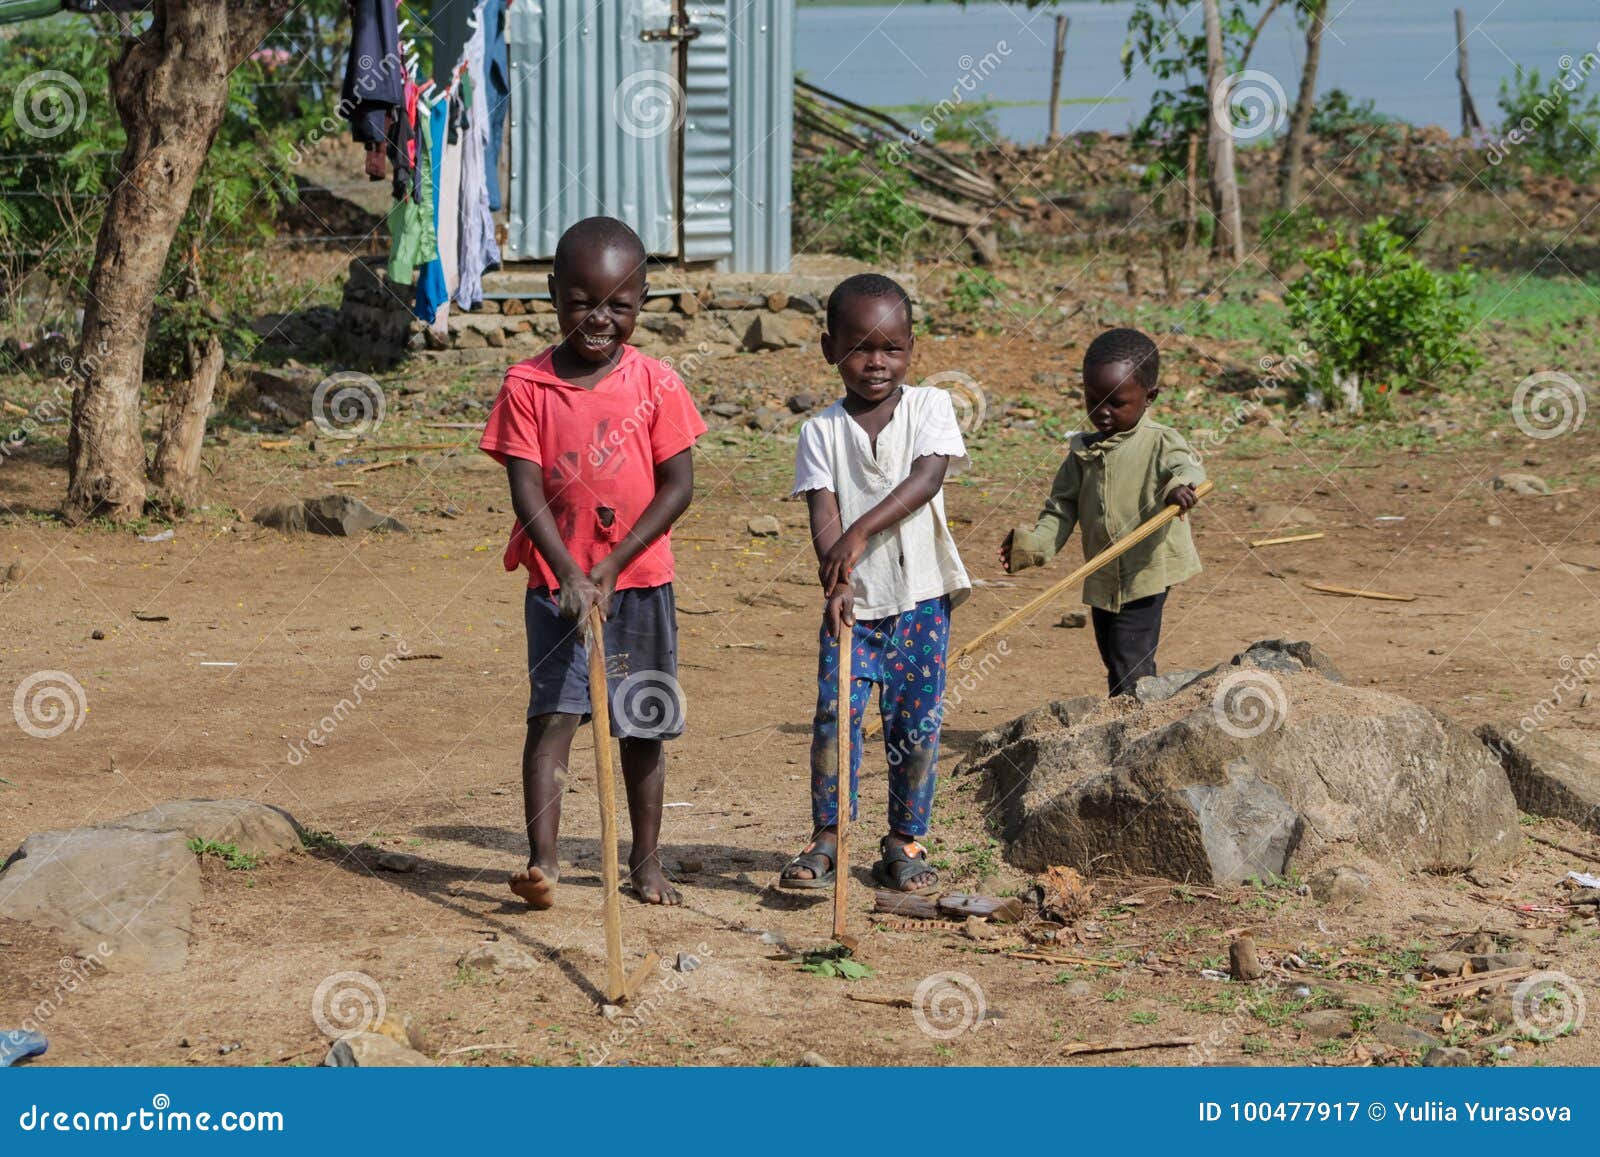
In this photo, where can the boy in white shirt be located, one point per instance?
(872, 468)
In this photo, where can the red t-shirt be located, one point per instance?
(598, 449)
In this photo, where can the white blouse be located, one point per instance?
(915, 559)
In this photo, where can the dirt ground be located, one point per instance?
(428, 764)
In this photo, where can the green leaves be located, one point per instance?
(835, 962)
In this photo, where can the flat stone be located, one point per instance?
(1446, 963)
(776, 331)
(256, 829)
(371, 1050)
(1446, 1057)
(1339, 885)
(1327, 1023)
(805, 303)
(802, 402)
(727, 409)
(1076, 621)
(498, 957)
(1079, 989)
(117, 895)
(1493, 961)
(764, 526)
(402, 1028)
(815, 1060)
(1528, 484)
(1548, 778)
(345, 517)
(289, 517)
(1404, 1036)
(1156, 688)
(397, 862)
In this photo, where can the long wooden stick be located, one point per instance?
(610, 872)
(1357, 593)
(1115, 551)
(841, 856)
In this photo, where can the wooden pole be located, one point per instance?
(610, 871)
(1055, 79)
(1469, 108)
(841, 857)
(1115, 551)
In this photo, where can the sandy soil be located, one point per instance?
(428, 764)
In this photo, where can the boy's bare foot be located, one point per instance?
(536, 886)
(650, 884)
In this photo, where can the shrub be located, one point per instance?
(859, 208)
(1552, 128)
(1379, 320)
(975, 290)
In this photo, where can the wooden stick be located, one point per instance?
(1124, 1046)
(1586, 857)
(841, 856)
(1115, 551)
(1357, 593)
(1287, 538)
(610, 874)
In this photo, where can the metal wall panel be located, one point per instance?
(707, 136)
(592, 122)
(761, 35)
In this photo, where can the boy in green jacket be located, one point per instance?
(1112, 480)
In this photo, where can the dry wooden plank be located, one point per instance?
(641, 974)
(1449, 987)
(283, 444)
(1588, 857)
(1061, 958)
(886, 1001)
(1288, 538)
(371, 466)
(1358, 593)
(1127, 1046)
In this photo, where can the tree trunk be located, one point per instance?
(176, 470)
(170, 86)
(1292, 163)
(1229, 239)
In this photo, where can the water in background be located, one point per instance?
(1401, 55)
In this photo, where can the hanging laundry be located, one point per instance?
(479, 253)
(412, 238)
(374, 75)
(449, 194)
(498, 59)
(432, 302)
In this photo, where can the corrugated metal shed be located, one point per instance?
(762, 98)
(694, 153)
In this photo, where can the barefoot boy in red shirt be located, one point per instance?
(595, 438)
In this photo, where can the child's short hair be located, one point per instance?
(597, 233)
(864, 285)
(1126, 345)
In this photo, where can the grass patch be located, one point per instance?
(230, 855)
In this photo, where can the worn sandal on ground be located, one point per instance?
(902, 866)
(820, 864)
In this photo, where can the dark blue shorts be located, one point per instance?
(641, 636)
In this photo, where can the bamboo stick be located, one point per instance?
(610, 872)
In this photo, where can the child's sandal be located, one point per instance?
(902, 866)
(819, 864)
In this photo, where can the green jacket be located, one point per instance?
(1108, 486)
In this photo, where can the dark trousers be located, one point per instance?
(1127, 640)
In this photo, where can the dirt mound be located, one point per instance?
(1245, 772)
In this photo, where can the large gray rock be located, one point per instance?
(123, 891)
(1245, 772)
(1548, 778)
(343, 516)
(1267, 655)
(116, 894)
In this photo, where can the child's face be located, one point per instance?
(1114, 398)
(871, 348)
(597, 303)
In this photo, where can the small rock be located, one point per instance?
(1530, 484)
(815, 1060)
(97, 634)
(686, 962)
(397, 862)
(1073, 620)
(371, 1050)
(1404, 1036)
(777, 300)
(727, 409)
(977, 928)
(1339, 885)
(1079, 989)
(802, 402)
(345, 517)
(764, 526)
(805, 303)
(776, 331)
(15, 572)
(1495, 520)
(610, 1011)
(1446, 1057)
(230, 1047)
(689, 867)
(1506, 1052)
(499, 956)
(1491, 961)
(1446, 963)
(1243, 963)
(765, 418)
(1475, 944)
(1326, 1023)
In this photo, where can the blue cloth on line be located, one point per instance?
(374, 76)
(432, 292)
(498, 61)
